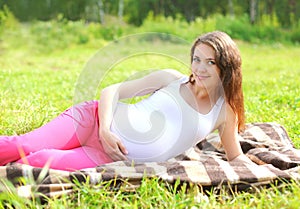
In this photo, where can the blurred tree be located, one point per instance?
(121, 10)
(135, 11)
(253, 11)
(101, 10)
(230, 6)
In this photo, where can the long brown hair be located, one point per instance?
(228, 60)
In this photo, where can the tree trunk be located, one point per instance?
(253, 6)
(121, 9)
(101, 11)
(230, 5)
(48, 3)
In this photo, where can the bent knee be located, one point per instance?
(40, 158)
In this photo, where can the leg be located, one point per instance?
(69, 130)
(70, 160)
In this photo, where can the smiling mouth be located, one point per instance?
(202, 77)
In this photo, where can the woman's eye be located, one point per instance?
(211, 62)
(196, 59)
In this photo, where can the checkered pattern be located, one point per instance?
(267, 144)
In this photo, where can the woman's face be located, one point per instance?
(204, 69)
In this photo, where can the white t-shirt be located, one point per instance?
(163, 125)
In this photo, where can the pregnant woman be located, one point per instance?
(179, 112)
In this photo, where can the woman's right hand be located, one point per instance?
(113, 146)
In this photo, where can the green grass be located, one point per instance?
(35, 88)
(271, 85)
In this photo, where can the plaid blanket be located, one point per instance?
(266, 144)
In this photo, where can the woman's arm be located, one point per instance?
(229, 137)
(112, 94)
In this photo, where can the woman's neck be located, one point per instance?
(204, 94)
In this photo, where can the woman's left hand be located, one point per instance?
(244, 159)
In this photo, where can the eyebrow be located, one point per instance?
(206, 58)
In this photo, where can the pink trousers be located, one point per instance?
(69, 142)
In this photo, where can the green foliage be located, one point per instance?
(285, 11)
(237, 27)
(240, 28)
(112, 29)
(178, 26)
(295, 35)
(7, 20)
(59, 33)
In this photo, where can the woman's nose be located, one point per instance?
(201, 68)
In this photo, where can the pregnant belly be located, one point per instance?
(151, 135)
(148, 136)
